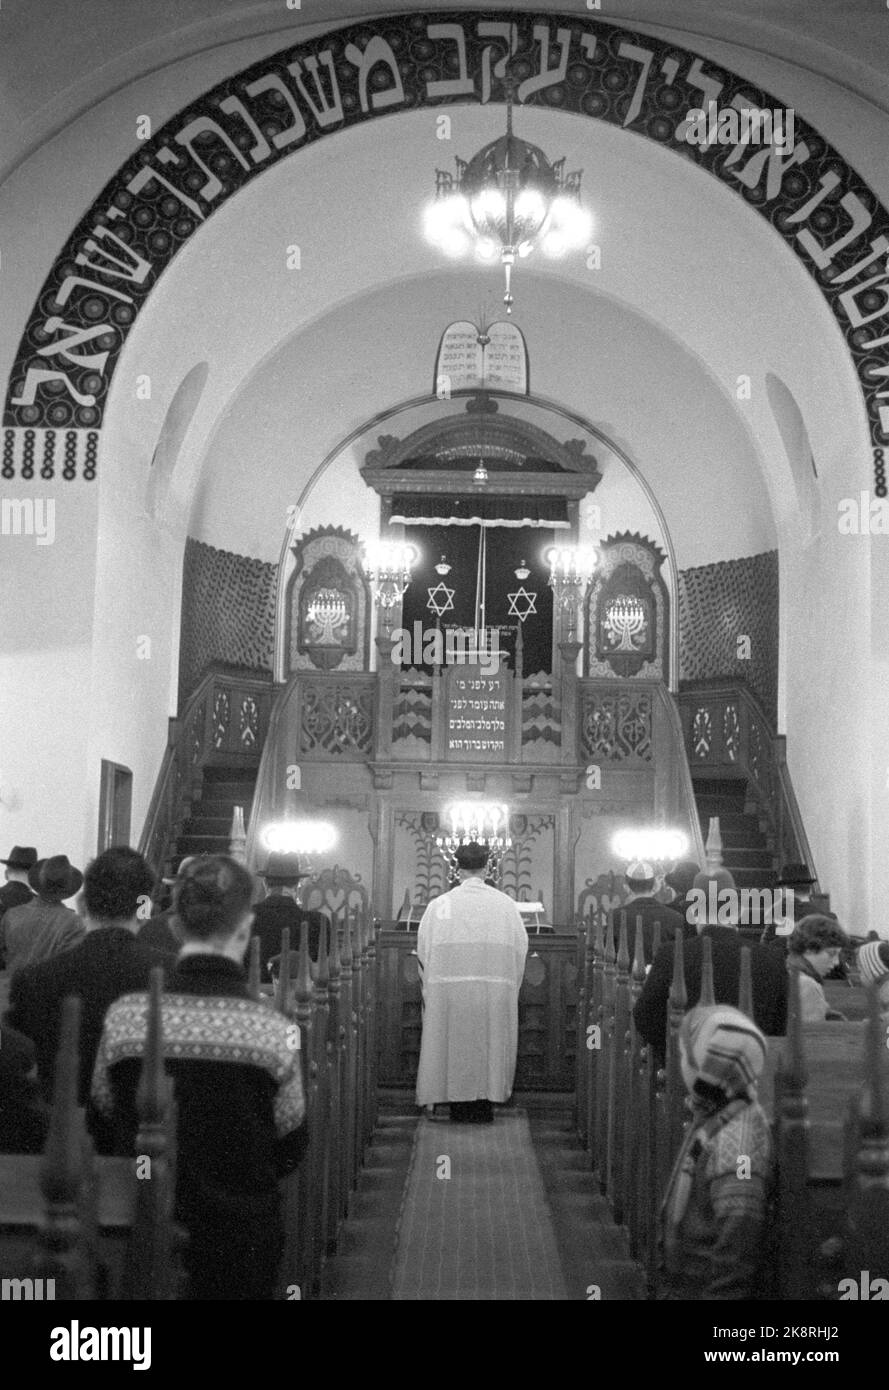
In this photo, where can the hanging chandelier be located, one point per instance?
(505, 201)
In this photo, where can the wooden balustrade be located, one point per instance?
(830, 1216)
(96, 1228)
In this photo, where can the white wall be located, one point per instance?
(46, 711)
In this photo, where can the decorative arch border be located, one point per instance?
(166, 191)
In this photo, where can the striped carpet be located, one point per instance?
(475, 1223)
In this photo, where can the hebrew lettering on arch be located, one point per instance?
(768, 160)
(149, 175)
(861, 220)
(36, 377)
(129, 266)
(93, 361)
(856, 318)
(493, 29)
(272, 82)
(450, 86)
(204, 125)
(377, 51)
(233, 106)
(547, 77)
(644, 57)
(326, 113)
(709, 87)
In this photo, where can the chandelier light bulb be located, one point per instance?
(487, 249)
(530, 208)
(656, 845)
(554, 245)
(300, 837)
(509, 198)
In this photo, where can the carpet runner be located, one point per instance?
(475, 1224)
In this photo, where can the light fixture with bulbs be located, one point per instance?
(505, 202)
(571, 568)
(388, 566)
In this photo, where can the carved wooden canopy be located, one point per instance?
(520, 458)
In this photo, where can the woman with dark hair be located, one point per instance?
(237, 1085)
(813, 951)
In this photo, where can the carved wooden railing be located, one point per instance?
(825, 1089)
(727, 730)
(224, 721)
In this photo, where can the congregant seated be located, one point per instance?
(238, 1088)
(107, 962)
(641, 880)
(813, 951)
(713, 1237)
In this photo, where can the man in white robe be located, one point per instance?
(471, 946)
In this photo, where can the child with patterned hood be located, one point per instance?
(713, 1220)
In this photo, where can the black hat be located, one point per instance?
(283, 868)
(55, 878)
(472, 856)
(795, 876)
(682, 875)
(22, 857)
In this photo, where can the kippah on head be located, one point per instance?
(872, 960)
(725, 1049)
(640, 871)
(472, 856)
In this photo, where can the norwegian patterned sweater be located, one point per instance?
(722, 1235)
(237, 1081)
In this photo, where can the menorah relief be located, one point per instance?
(327, 615)
(625, 623)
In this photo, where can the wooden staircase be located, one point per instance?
(208, 828)
(745, 850)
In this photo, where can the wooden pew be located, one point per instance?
(90, 1223)
(825, 1088)
(99, 1231)
(332, 1004)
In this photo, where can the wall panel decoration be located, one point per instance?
(627, 611)
(328, 604)
(722, 604)
(228, 613)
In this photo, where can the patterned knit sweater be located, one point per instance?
(719, 1251)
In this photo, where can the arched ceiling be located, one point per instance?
(658, 105)
(650, 346)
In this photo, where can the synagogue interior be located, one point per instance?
(444, 506)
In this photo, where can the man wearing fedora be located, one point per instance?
(43, 927)
(17, 891)
(279, 909)
(107, 962)
(801, 880)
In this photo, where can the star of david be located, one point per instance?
(528, 601)
(441, 600)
